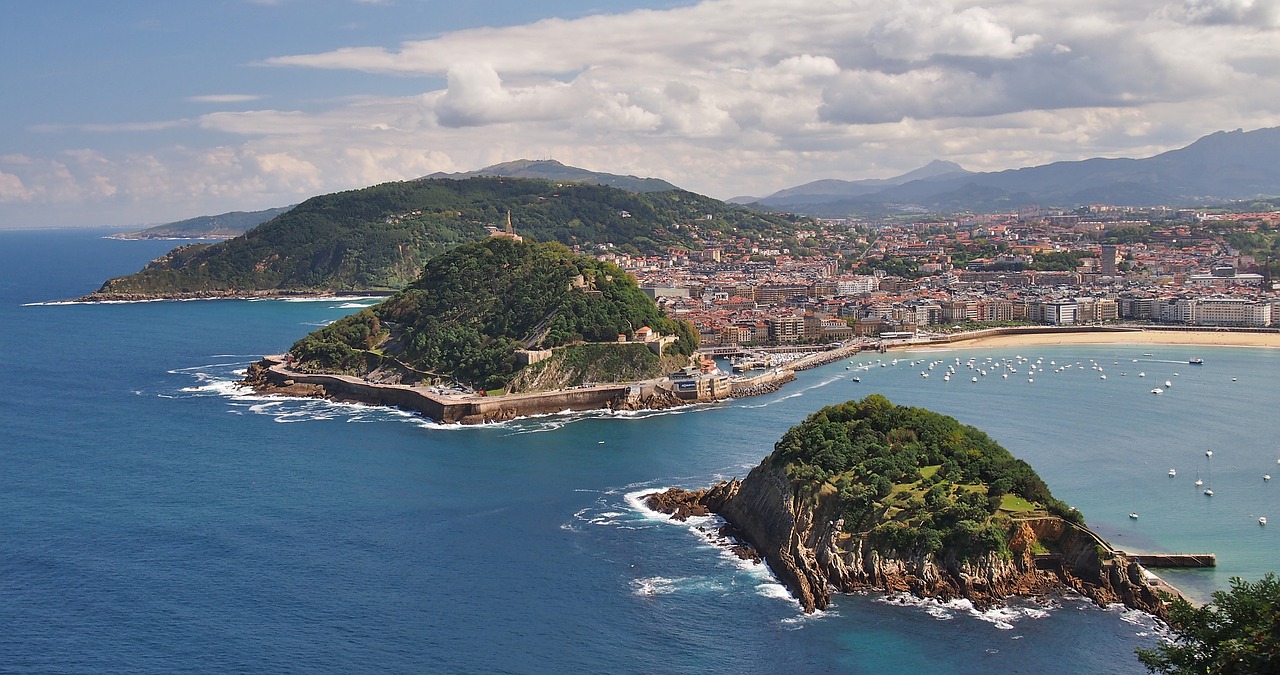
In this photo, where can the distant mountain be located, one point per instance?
(550, 169)
(222, 226)
(1219, 167)
(832, 189)
(378, 238)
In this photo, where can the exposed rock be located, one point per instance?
(811, 555)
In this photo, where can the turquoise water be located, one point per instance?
(153, 519)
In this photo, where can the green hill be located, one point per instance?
(474, 306)
(378, 238)
(912, 479)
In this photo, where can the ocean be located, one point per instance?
(153, 518)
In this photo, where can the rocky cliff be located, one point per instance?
(806, 547)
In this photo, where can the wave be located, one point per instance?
(1003, 617)
(353, 305)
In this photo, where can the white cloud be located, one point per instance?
(224, 98)
(12, 189)
(725, 97)
(1258, 13)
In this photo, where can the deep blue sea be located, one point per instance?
(153, 519)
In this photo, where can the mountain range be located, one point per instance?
(1223, 166)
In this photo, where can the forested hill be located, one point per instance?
(912, 479)
(378, 238)
(478, 303)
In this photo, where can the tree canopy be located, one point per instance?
(1238, 632)
(912, 478)
(475, 305)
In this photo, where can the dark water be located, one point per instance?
(151, 520)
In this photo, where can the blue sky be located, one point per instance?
(143, 112)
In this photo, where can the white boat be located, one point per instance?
(1167, 384)
(1266, 476)
(1196, 362)
(1173, 472)
(1262, 520)
(1208, 453)
(1103, 377)
(1142, 374)
(857, 379)
(1199, 482)
(1157, 390)
(973, 379)
(1208, 492)
(1133, 516)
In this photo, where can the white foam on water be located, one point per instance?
(353, 305)
(1002, 617)
(654, 586)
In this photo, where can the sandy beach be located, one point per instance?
(1154, 337)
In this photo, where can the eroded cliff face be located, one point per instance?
(806, 547)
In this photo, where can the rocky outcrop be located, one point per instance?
(809, 552)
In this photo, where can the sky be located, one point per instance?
(148, 111)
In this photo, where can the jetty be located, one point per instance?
(1175, 560)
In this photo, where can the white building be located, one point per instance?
(1232, 312)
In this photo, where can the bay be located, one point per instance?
(154, 520)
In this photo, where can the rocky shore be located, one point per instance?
(813, 557)
(272, 377)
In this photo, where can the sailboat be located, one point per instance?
(1208, 455)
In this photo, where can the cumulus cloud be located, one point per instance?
(1258, 13)
(12, 189)
(476, 96)
(727, 97)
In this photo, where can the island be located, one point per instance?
(871, 495)
(505, 328)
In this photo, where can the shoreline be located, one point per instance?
(273, 377)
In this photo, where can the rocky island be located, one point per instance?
(498, 329)
(870, 495)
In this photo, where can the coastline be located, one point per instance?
(272, 376)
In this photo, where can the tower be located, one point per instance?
(1108, 260)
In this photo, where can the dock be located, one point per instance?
(1174, 560)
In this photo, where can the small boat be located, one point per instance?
(1208, 492)
(1262, 520)
(973, 379)
(1173, 472)
(1133, 516)
(1167, 384)
(1266, 476)
(1208, 453)
(1103, 377)
(1142, 374)
(1157, 390)
(857, 379)
(1199, 482)
(1146, 354)
(1196, 362)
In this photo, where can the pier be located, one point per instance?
(1173, 560)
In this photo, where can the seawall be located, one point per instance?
(276, 377)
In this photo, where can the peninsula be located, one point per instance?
(504, 328)
(870, 495)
